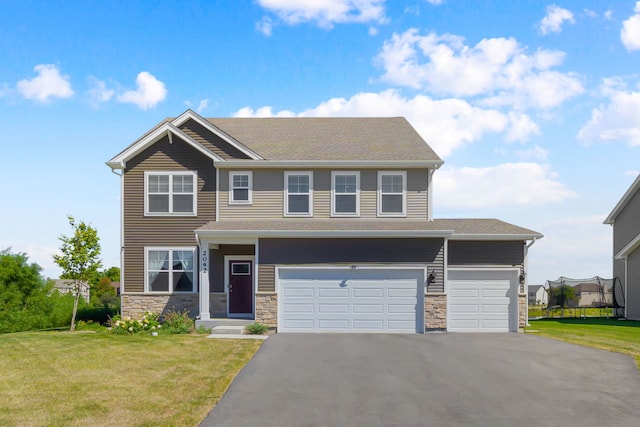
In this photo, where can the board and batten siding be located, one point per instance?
(478, 252)
(268, 194)
(327, 251)
(140, 231)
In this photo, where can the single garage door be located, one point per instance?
(346, 300)
(482, 301)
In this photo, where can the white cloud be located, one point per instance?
(504, 185)
(555, 17)
(149, 92)
(265, 26)
(630, 32)
(535, 153)
(373, 31)
(203, 104)
(435, 2)
(590, 13)
(632, 173)
(575, 247)
(619, 120)
(99, 92)
(324, 13)
(445, 124)
(608, 15)
(498, 70)
(49, 83)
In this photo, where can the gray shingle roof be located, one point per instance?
(329, 138)
(481, 228)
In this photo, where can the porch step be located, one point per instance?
(227, 330)
(212, 323)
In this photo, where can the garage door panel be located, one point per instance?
(333, 292)
(375, 300)
(368, 308)
(481, 301)
(333, 308)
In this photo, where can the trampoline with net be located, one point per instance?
(593, 297)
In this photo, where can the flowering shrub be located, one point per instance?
(147, 323)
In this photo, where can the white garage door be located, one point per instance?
(482, 301)
(345, 300)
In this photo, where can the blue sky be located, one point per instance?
(534, 106)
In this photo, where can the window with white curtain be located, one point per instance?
(170, 269)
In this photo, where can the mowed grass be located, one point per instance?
(621, 336)
(96, 379)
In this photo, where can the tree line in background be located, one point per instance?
(28, 301)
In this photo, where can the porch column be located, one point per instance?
(204, 280)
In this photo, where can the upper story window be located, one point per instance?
(345, 193)
(240, 190)
(298, 194)
(170, 269)
(170, 193)
(392, 193)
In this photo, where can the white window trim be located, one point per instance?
(250, 188)
(170, 174)
(404, 194)
(170, 249)
(286, 194)
(333, 194)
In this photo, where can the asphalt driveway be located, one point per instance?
(430, 380)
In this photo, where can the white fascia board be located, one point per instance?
(629, 248)
(120, 161)
(623, 202)
(496, 236)
(190, 114)
(215, 234)
(363, 164)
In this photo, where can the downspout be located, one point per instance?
(526, 285)
(430, 195)
(121, 175)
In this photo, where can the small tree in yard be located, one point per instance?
(79, 260)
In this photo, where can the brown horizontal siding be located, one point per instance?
(211, 141)
(486, 252)
(266, 278)
(141, 231)
(268, 195)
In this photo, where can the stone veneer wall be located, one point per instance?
(267, 309)
(134, 305)
(435, 311)
(522, 311)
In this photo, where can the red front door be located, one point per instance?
(240, 287)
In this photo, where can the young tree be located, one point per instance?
(80, 259)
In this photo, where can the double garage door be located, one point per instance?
(482, 301)
(346, 300)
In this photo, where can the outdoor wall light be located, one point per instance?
(431, 277)
(522, 277)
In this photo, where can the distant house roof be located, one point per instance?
(534, 288)
(457, 229)
(65, 283)
(628, 195)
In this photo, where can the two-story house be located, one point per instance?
(309, 225)
(625, 220)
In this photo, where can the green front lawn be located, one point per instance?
(84, 378)
(621, 336)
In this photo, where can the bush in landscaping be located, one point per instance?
(128, 326)
(256, 329)
(177, 322)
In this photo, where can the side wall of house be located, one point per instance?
(268, 194)
(625, 229)
(633, 286)
(142, 231)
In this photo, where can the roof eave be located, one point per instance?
(611, 219)
(322, 233)
(266, 164)
(629, 248)
(487, 236)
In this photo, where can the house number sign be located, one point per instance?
(204, 261)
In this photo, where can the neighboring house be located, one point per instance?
(309, 225)
(116, 287)
(537, 295)
(66, 286)
(625, 219)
